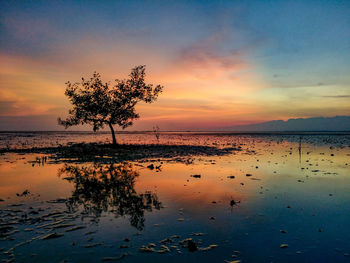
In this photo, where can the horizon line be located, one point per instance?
(187, 131)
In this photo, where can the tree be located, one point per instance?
(101, 104)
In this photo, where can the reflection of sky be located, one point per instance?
(222, 63)
(252, 227)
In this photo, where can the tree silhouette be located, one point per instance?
(100, 104)
(108, 188)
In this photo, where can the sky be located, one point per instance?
(222, 63)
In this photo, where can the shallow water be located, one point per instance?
(109, 211)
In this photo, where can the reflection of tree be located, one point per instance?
(101, 188)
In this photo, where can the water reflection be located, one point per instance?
(108, 188)
(297, 187)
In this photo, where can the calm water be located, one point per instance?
(95, 212)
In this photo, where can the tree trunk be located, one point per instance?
(113, 134)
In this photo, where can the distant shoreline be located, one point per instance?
(196, 132)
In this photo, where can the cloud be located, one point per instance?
(8, 107)
(209, 58)
(27, 28)
(336, 96)
(13, 104)
(30, 123)
(20, 107)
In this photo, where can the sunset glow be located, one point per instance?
(221, 63)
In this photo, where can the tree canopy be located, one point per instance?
(99, 104)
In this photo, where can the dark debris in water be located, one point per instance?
(24, 193)
(115, 258)
(82, 152)
(51, 236)
(170, 245)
